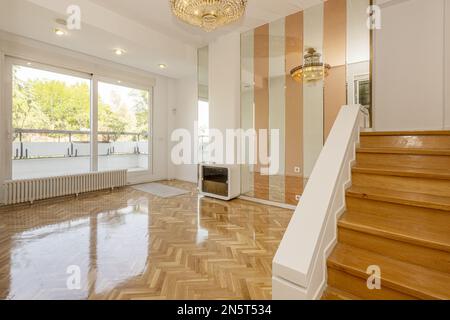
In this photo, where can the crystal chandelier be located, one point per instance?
(208, 14)
(313, 69)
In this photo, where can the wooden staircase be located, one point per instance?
(397, 218)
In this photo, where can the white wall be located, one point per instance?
(409, 66)
(224, 90)
(358, 36)
(160, 138)
(171, 118)
(224, 98)
(184, 115)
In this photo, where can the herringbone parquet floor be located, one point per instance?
(127, 244)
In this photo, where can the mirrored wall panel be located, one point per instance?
(203, 103)
(296, 74)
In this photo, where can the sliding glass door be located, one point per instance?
(50, 122)
(123, 127)
(57, 128)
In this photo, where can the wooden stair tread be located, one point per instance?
(400, 197)
(397, 218)
(336, 294)
(434, 233)
(409, 151)
(407, 133)
(404, 277)
(429, 173)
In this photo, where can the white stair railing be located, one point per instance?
(299, 266)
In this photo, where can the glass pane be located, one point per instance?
(51, 121)
(203, 130)
(123, 127)
(215, 181)
(272, 101)
(203, 104)
(358, 58)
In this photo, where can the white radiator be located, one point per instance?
(19, 191)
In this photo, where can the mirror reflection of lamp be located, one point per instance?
(313, 69)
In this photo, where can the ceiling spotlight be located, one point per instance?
(59, 32)
(61, 22)
(119, 52)
(162, 66)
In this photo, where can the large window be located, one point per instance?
(52, 115)
(123, 125)
(51, 123)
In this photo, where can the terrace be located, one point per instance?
(47, 153)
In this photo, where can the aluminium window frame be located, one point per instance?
(7, 62)
(134, 175)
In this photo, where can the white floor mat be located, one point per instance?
(160, 190)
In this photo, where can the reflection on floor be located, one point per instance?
(131, 245)
(282, 189)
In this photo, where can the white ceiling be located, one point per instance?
(145, 29)
(156, 14)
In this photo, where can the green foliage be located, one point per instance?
(26, 113)
(110, 121)
(55, 105)
(65, 107)
(141, 110)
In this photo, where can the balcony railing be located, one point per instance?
(61, 144)
(46, 153)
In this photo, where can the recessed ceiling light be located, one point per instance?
(61, 22)
(162, 66)
(59, 32)
(29, 63)
(118, 81)
(119, 52)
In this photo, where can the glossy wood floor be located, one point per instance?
(275, 188)
(128, 244)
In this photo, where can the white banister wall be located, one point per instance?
(299, 266)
